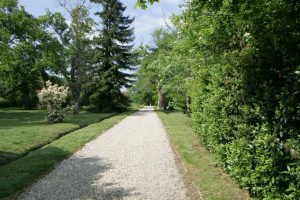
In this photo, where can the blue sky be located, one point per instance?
(145, 20)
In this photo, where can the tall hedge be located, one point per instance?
(245, 89)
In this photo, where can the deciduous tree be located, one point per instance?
(26, 52)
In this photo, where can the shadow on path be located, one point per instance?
(143, 111)
(78, 177)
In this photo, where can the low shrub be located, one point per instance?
(53, 97)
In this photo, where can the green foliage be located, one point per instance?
(144, 89)
(163, 72)
(114, 59)
(143, 3)
(26, 51)
(34, 50)
(75, 45)
(244, 86)
(245, 100)
(4, 103)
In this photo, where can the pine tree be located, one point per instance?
(114, 57)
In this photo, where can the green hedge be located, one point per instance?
(246, 90)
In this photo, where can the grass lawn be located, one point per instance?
(200, 165)
(23, 171)
(22, 131)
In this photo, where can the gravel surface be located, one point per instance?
(132, 160)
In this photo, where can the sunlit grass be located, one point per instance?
(22, 172)
(22, 131)
(202, 170)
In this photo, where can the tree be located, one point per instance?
(114, 58)
(164, 71)
(143, 90)
(78, 46)
(143, 3)
(26, 50)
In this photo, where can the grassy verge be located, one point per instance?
(202, 171)
(23, 131)
(22, 172)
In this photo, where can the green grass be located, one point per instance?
(22, 131)
(22, 172)
(202, 171)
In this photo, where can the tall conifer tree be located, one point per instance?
(114, 57)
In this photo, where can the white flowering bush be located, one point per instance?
(53, 97)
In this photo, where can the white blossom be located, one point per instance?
(53, 97)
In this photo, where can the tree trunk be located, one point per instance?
(187, 105)
(45, 76)
(26, 97)
(76, 84)
(76, 107)
(161, 104)
(76, 75)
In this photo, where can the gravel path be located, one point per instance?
(132, 160)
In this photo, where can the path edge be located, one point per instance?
(192, 191)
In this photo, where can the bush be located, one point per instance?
(245, 90)
(4, 103)
(53, 97)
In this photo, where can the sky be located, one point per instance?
(146, 21)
